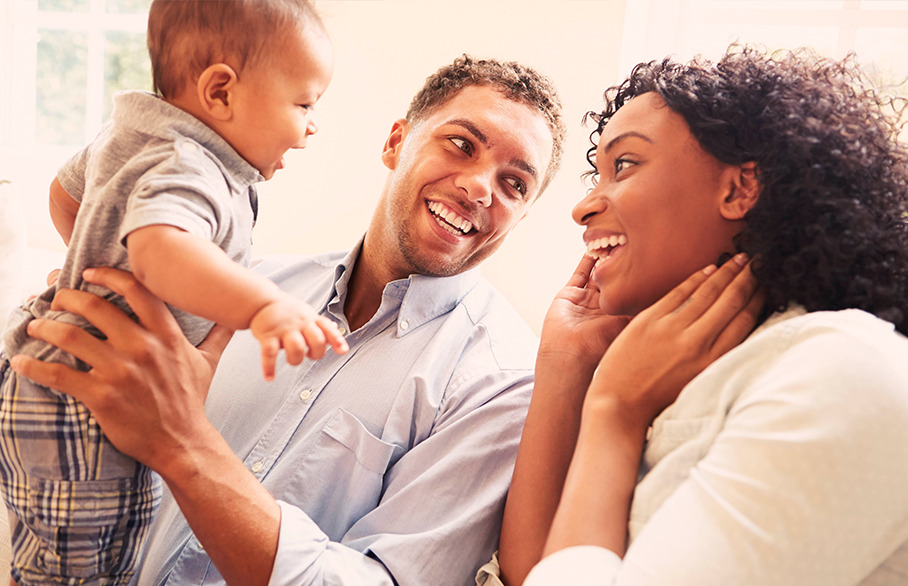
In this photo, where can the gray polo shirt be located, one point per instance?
(151, 164)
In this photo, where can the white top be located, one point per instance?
(784, 462)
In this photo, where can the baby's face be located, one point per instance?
(274, 99)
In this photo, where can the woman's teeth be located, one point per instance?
(449, 218)
(602, 248)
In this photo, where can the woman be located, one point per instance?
(785, 461)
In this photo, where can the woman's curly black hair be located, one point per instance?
(830, 229)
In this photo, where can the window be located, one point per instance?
(60, 62)
(65, 59)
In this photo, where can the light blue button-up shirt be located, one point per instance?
(391, 462)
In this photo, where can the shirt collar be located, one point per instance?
(420, 298)
(150, 114)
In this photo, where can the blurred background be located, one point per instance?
(60, 61)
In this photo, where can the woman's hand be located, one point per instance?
(644, 369)
(575, 328)
(147, 385)
(575, 334)
(668, 344)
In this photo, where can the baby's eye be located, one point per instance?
(306, 107)
(462, 143)
(518, 185)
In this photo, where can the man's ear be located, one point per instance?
(745, 191)
(390, 154)
(215, 90)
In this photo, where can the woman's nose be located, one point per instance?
(589, 206)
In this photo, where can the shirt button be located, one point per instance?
(404, 325)
(342, 330)
(305, 395)
(257, 467)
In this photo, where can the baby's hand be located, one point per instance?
(296, 327)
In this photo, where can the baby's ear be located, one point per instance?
(215, 90)
(745, 191)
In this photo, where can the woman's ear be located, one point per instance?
(390, 153)
(215, 90)
(745, 191)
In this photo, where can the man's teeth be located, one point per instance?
(602, 248)
(450, 217)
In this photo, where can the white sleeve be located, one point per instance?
(583, 565)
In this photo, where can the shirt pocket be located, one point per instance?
(370, 452)
(341, 477)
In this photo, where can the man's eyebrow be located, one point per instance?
(471, 128)
(626, 135)
(482, 138)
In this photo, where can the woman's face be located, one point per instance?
(656, 214)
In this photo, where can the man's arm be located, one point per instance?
(439, 511)
(147, 390)
(63, 209)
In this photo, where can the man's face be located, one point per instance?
(461, 178)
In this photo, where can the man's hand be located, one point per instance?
(147, 384)
(296, 327)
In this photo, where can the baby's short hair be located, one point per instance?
(186, 36)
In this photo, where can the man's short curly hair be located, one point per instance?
(830, 229)
(517, 82)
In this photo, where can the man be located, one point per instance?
(389, 464)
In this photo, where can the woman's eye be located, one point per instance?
(518, 185)
(622, 164)
(462, 143)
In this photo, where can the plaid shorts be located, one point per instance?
(79, 508)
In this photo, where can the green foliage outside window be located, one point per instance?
(62, 71)
(126, 65)
(60, 87)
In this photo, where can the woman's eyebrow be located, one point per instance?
(626, 135)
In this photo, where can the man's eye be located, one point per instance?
(462, 143)
(518, 185)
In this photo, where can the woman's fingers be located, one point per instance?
(720, 304)
(581, 275)
(742, 322)
(700, 293)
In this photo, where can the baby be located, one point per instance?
(167, 191)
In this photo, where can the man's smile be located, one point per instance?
(449, 219)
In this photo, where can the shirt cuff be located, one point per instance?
(299, 546)
(582, 565)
